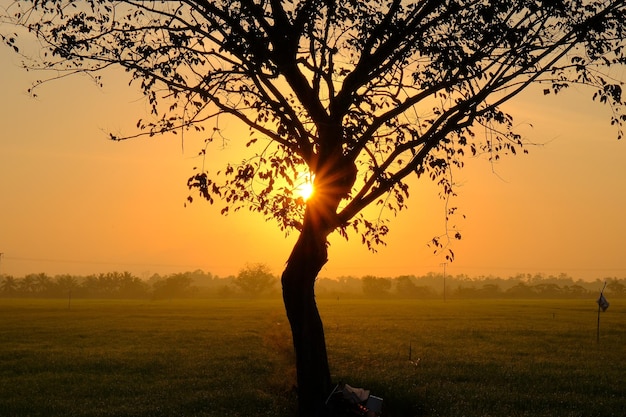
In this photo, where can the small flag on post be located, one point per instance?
(602, 302)
(602, 306)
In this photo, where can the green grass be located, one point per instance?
(233, 358)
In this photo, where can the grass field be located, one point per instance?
(233, 357)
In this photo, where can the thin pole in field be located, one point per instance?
(598, 328)
(602, 306)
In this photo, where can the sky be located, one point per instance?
(74, 202)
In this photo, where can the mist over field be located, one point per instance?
(257, 281)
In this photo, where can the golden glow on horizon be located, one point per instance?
(528, 216)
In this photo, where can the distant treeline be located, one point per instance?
(431, 286)
(256, 281)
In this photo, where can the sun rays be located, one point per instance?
(306, 189)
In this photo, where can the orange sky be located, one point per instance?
(73, 202)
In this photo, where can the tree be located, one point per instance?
(177, 285)
(521, 290)
(616, 287)
(42, 284)
(9, 285)
(255, 279)
(28, 284)
(66, 284)
(406, 288)
(131, 286)
(375, 287)
(359, 94)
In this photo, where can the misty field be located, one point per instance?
(233, 358)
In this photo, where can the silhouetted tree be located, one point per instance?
(131, 286)
(65, 284)
(406, 287)
(616, 287)
(255, 279)
(28, 285)
(521, 290)
(548, 290)
(360, 94)
(375, 287)
(41, 284)
(490, 290)
(175, 286)
(576, 291)
(9, 285)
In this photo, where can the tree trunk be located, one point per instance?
(334, 178)
(298, 281)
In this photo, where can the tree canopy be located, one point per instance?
(395, 88)
(255, 279)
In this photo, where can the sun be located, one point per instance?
(305, 190)
(304, 187)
